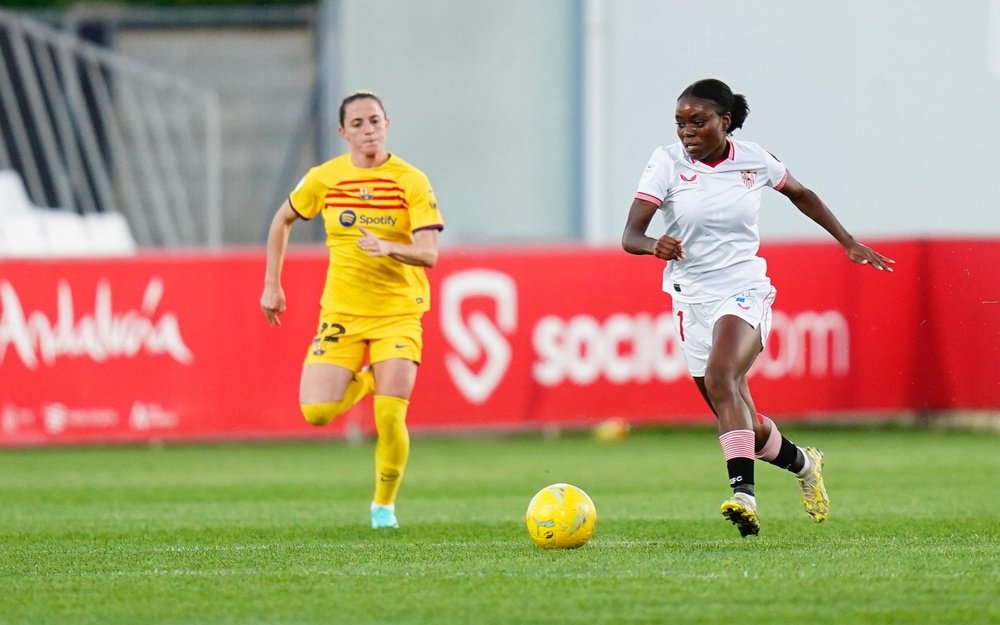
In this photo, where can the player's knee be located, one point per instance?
(322, 413)
(719, 383)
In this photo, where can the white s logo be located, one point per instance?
(471, 337)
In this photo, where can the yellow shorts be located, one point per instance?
(343, 340)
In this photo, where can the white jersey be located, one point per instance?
(713, 212)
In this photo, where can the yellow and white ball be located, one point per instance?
(561, 516)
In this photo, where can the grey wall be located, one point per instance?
(887, 109)
(484, 97)
(262, 77)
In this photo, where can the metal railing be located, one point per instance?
(92, 131)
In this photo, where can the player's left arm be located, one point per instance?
(810, 205)
(423, 252)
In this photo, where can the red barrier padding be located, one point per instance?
(174, 347)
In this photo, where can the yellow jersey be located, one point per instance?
(392, 201)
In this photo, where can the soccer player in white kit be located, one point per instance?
(708, 188)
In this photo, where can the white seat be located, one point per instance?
(66, 233)
(13, 195)
(109, 234)
(22, 235)
(28, 231)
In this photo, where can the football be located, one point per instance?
(561, 516)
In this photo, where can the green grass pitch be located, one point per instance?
(277, 534)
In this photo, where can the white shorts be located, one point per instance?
(694, 323)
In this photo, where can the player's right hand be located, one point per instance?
(272, 302)
(668, 248)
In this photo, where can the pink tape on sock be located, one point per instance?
(737, 444)
(773, 443)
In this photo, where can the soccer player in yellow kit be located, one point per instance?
(382, 225)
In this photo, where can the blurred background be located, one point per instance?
(533, 119)
(149, 129)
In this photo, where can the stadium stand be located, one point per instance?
(124, 154)
(32, 232)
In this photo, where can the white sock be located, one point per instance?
(807, 466)
(391, 507)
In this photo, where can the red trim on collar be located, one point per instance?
(728, 157)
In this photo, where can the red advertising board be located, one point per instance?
(174, 346)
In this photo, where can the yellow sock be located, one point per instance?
(323, 413)
(392, 449)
